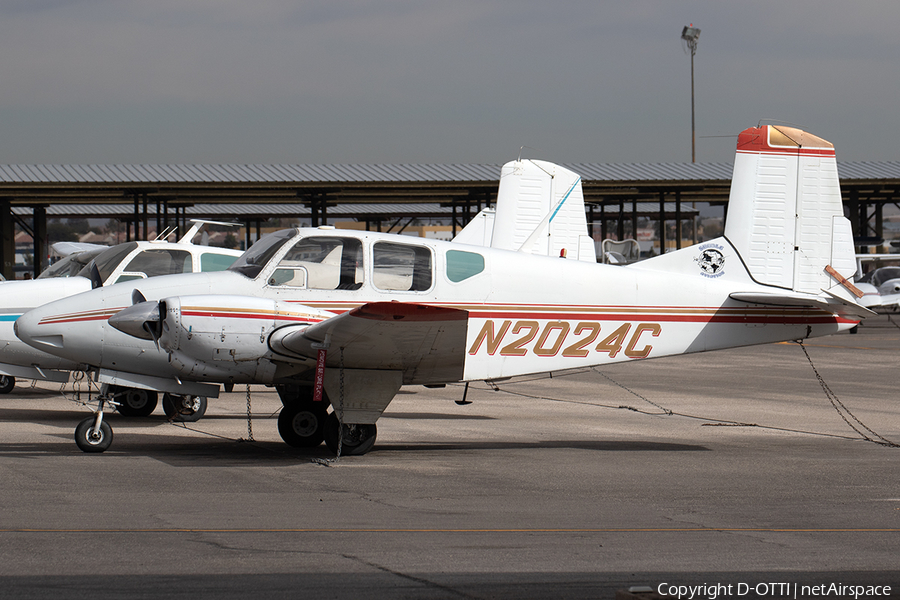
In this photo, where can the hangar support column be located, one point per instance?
(662, 222)
(8, 241)
(39, 234)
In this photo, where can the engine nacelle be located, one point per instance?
(228, 328)
(216, 337)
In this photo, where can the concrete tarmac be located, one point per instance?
(728, 468)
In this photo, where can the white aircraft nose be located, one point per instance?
(30, 330)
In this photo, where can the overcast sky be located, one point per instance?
(427, 81)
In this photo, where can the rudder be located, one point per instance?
(785, 215)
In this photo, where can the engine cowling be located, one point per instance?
(216, 337)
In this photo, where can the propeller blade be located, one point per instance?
(96, 280)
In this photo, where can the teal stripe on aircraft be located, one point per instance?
(9, 317)
(566, 197)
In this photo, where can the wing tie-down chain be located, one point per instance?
(341, 413)
(249, 417)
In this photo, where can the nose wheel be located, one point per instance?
(94, 434)
(93, 437)
(7, 383)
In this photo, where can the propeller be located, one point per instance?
(142, 320)
(96, 279)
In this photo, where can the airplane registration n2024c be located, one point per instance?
(343, 319)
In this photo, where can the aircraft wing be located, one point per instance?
(427, 343)
(839, 306)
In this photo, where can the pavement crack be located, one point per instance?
(426, 582)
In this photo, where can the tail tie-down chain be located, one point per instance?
(842, 409)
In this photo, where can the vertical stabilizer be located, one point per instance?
(479, 231)
(785, 216)
(540, 210)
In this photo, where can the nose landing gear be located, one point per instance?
(94, 434)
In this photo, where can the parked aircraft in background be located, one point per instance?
(65, 249)
(347, 317)
(72, 262)
(80, 271)
(880, 285)
(881, 288)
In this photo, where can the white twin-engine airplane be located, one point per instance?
(91, 268)
(346, 318)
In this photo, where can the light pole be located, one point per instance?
(690, 34)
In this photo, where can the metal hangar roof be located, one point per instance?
(181, 184)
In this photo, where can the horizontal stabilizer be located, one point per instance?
(840, 306)
(426, 342)
(850, 308)
(773, 299)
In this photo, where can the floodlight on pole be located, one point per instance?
(690, 34)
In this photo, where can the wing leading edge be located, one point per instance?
(426, 343)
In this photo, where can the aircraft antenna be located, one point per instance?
(520, 151)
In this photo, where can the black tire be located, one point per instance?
(173, 406)
(134, 402)
(302, 425)
(357, 440)
(85, 440)
(7, 383)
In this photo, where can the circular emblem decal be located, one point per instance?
(712, 262)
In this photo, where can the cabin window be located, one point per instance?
(210, 261)
(160, 262)
(321, 263)
(251, 262)
(71, 265)
(462, 265)
(108, 260)
(401, 267)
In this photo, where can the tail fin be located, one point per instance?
(478, 231)
(540, 210)
(785, 216)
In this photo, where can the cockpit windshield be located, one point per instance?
(253, 260)
(70, 265)
(108, 260)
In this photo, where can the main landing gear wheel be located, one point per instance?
(302, 425)
(90, 441)
(357, 439)
(7, 384)
(184, 409)
(134, 402)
